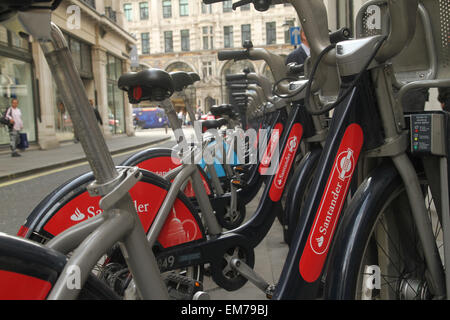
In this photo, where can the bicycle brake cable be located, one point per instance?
(349, 88)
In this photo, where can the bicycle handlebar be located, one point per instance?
(340, 35)
(233, 55)
(236, 77)
(211, 1)
(238, 86)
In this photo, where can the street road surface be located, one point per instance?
(19, 197)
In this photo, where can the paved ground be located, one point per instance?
(269, 255)
(34, 160)
(269, 260)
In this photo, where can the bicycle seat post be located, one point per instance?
(77, 104)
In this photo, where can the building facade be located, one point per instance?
(187, 34)
(100, 47)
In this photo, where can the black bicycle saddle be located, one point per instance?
(181, 80)
(213, 124)
(223, 109)
(195, 77)
(150, 84)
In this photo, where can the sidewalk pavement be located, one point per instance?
(270, 256)
(34, 161)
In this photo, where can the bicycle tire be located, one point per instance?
(385, 244)
(297, 193)
(95, 289)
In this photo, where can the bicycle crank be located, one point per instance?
(223, 272)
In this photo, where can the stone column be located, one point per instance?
(99, 62)
(46, 127)
(128, 108)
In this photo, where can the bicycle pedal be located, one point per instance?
(181, 287)
(238, 183)
(240, 169)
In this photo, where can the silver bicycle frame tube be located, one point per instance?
(388, 111)
(120, 223)
(197, 182)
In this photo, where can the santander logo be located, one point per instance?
(273, 142)
(287, 158)
(77, 216)
(293, 143)
(93, 211)
(346, 164)
(270, 148)
(330, 207)
(333, 201)
(319, 241)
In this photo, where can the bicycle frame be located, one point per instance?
(250, 234)
(350, 133)
(119, 223)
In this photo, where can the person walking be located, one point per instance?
(14, 115)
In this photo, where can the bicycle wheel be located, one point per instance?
(390, 262)
(67, 204)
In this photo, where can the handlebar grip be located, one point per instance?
(296, 68)
(238, 86)
(233, 55)
(236, 77)
(212, 1)
(340, 35)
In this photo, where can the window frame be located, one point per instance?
(167, 9)
(166, 39)
(185, 40)
(128, 11)
(249, 31)
(144, 9)
(147, 39)
(184, 8)
(271, 32)
(228, 37)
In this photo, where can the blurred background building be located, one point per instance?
(105, 36)
(185, 35)
(100, 48)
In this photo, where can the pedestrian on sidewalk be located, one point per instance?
(300, 54)
(97, 114)
(14, 115)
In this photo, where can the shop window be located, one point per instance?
(16, 82)
(116, 106)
